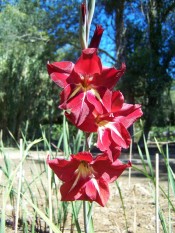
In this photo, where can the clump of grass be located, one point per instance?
(35, 200)
(149, 171)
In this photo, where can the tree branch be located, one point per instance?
(167, 11)
(111, 57)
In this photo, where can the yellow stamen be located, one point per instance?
(102, 123)
(75, 92)
(84, 170)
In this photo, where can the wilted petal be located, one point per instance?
(83, 12)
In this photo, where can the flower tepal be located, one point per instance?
(86, 178)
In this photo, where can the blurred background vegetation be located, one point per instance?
(140, 33)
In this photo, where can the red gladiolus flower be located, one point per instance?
(85, 178)
(85, 81)
(111, 125)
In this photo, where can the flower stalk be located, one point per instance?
(91, 8)
(85, 216)
(86, 14)
(85, 209)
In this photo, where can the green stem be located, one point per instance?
(87, 146)
(85, 211)
(85, 206)
(86, 229)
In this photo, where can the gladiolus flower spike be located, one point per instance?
(86, 178)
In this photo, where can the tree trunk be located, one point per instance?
(121, 48)
(155, 37)
(120, 31)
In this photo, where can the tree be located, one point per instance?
(145, 40)
(32, 34)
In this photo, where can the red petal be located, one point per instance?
(78, 106)
(103, 195)
(129, 114)
(74, 78)
(106, 100)
(89, 125)
(83, 156)
(72, 193)
(117, 169)
(117, 101)
(119, 135)
(94, 98)
(89, 63)
(113, 151)
(109, 77)
(91, 189)
(60, 71)
(103, 141)
(63, 169)
(107, 169)
(69, 92)
(112, 101)
(86, 190)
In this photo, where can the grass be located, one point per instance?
(35, 201)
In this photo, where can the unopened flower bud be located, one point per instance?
(83, 12)
(83, 22)
(95, 41)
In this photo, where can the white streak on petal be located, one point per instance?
(96, 184)
(76, 90)
(114, 129)
(75, 182)
(101, 132)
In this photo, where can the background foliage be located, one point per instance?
(141, 33)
